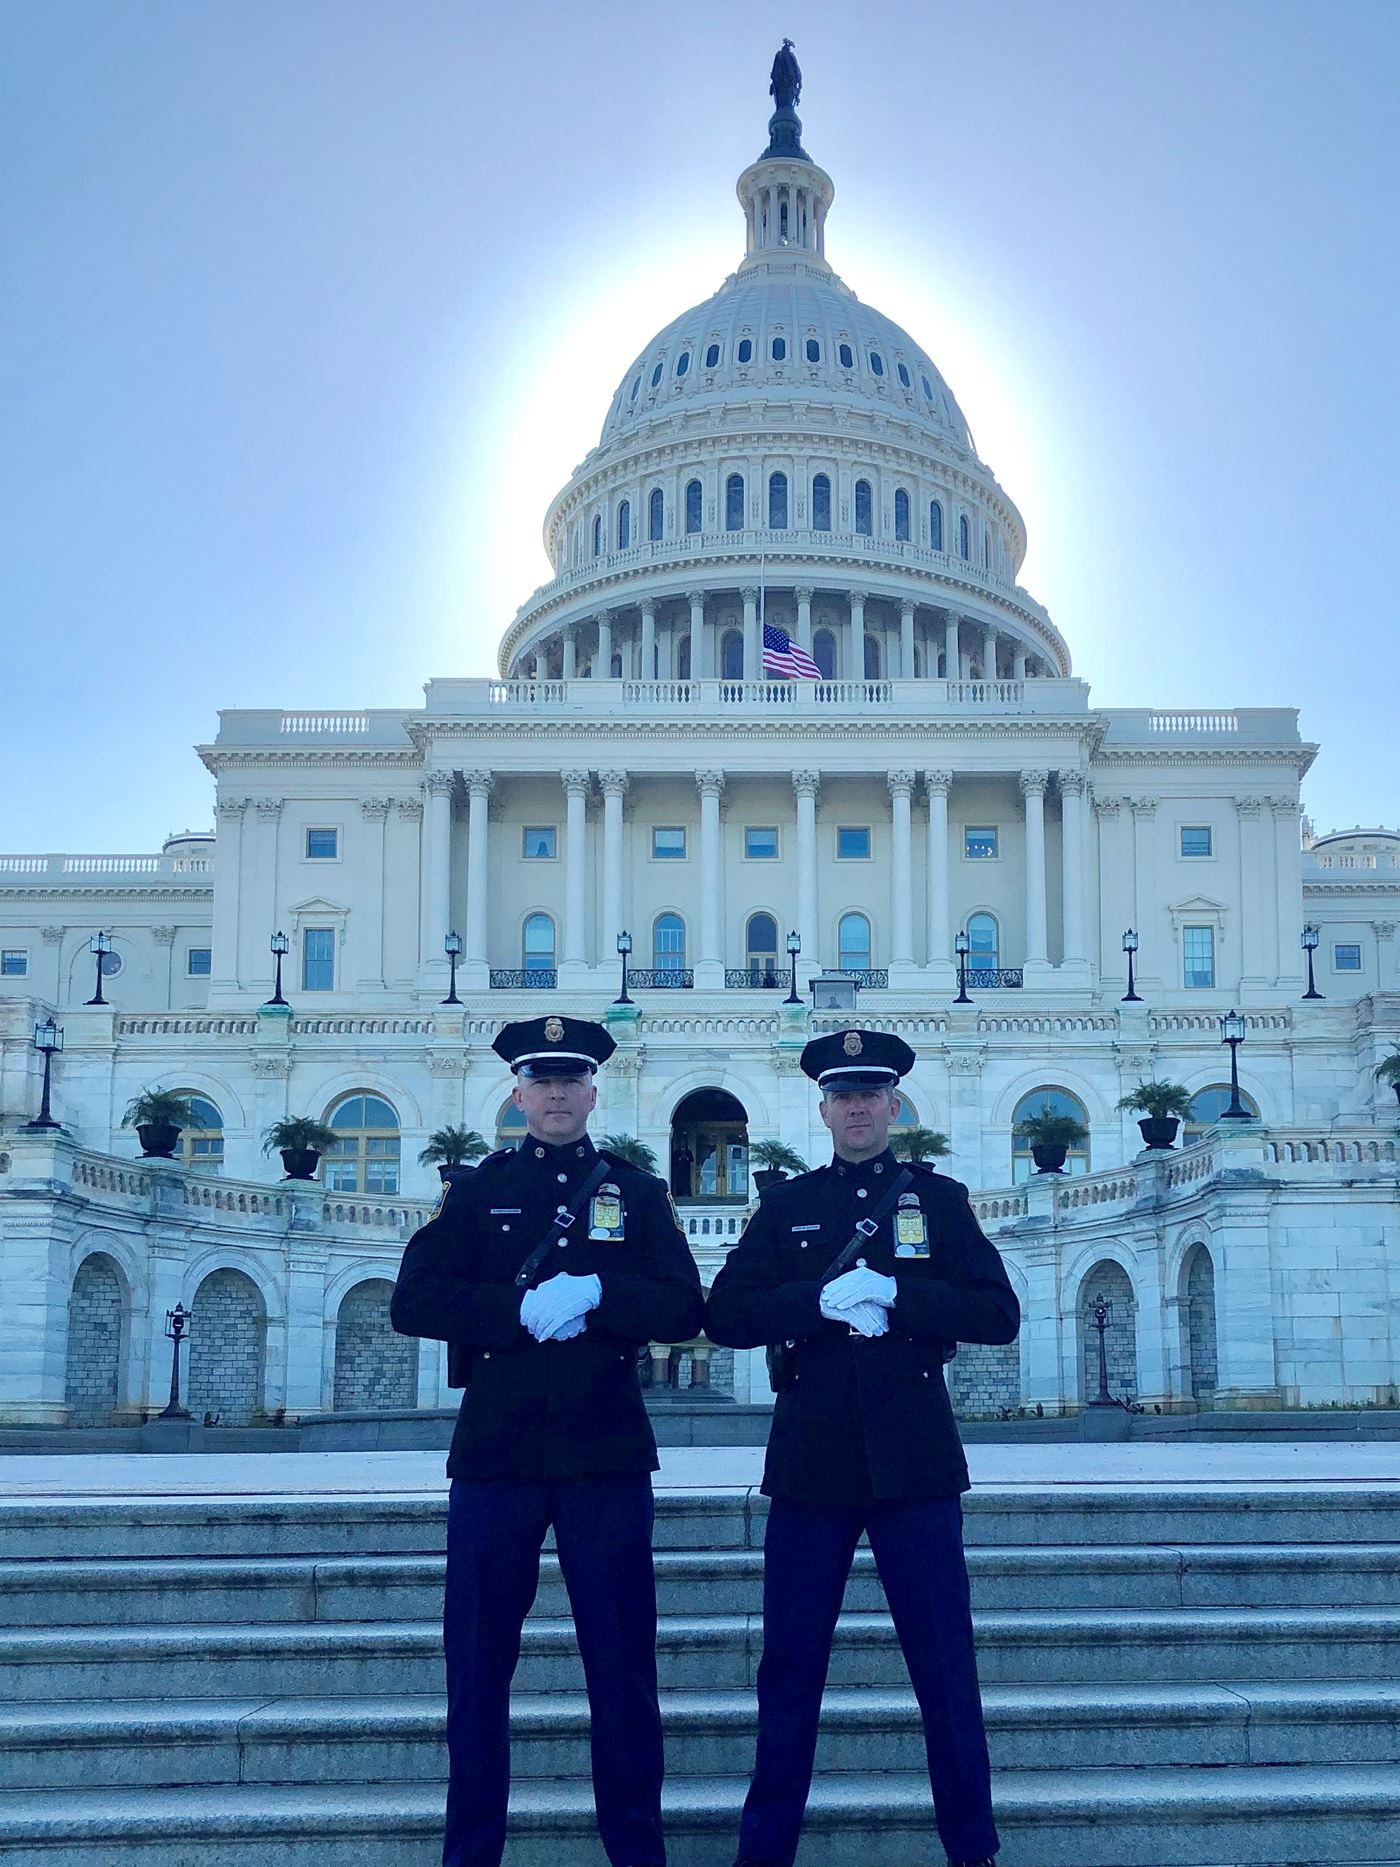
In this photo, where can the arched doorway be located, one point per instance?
(710, 1147)
(97, 1326)
(1111, 1281)
(1198, 1313)
(373, 1366)
(228, 1348)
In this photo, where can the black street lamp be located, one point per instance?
(962, 946)
(452, 947)
(48, 1037)
(280, 946)
(177, 1321)
(794, 947)
(624, 947)
(1232, 1033)
(1311, 937)
(1130, 946)
(100, 946)
(1101, 1314)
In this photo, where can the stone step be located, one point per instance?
(1123, 1515)
(1247, 1816)
(399, 1739)
(1038, 1646)
(728, 1581)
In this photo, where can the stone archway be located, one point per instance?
(1110, 1280)
(97, 1333)
(710, 1147)
(228, 1348)
(1198, 1316)
(373, 1366)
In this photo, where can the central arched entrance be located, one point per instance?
(710, 1146)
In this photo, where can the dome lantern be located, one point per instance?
(784, 195)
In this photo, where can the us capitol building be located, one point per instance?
(781, 456)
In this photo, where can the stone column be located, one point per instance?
(666, 652)
(614, 785)
(602, 666)
(709, 966)
(375, 812)
(901, 788)
(1018, 665)
(804, 593)
(1150, 970)
(647, 671)
(855, 638)
(541, 665)
(1386, 972)
(1246, 1328)
(906, 642)
(807, 784)
(570, 654)
(475, 955)
(228, 893)
(937, 784)
(989, 653)
(753, 659)
(575, 870)
(951, 663)
(1033, 785)
(263, 879)
(1288, 866)
(436, 889)
(700, 660)
(1072, 864)
(1040, 1326)
(1116, 913)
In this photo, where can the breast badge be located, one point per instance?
(605, 1213)
(910, 1228)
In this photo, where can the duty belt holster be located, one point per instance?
(782, 1356)
(459, 1357)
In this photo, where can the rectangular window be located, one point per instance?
(322, 845)
(199, 962)
(1196, 839)
(668, 845)
(318, 959)
(539, 842)
(761, 845)
(853, 844)
(980, 842)
(1346, 956)
(1198, 954)
(14, 963)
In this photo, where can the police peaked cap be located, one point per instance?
(553, 1046)
(857, 1060)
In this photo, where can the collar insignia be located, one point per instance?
(554, 1029)
(852, 1045)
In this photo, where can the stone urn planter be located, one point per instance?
(159, 1139)
(1049, 1156)
(300, 1162)
(1159, 1130)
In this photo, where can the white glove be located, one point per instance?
(567, 1330)
(564, 1299)
(860, 1286)
(866, 1319)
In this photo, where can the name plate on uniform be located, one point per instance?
(910, 1228)
(605, 1213)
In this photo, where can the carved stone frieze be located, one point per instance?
(575, 783)
(163, 936)
(1034, 783)
(613, 783)
(230, 807)
(807, 783)
(900, 783)
(1107, 806)
(269, 809)
(965, 1063)
(938, 783)
(1073, 783)
(1143, 806)
(479, 782)
(374, 809)
(438, 783)
(409, 808)
(1249, 806)
(710, 783)
(271, 1066)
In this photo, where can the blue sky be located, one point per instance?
(309, 310)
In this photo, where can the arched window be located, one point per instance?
(656, 513)
(202, 1143)
(746, 350)
(908, 1116)
(712, 357)
(777, 501)
(864, 508)
(656, 374)
(853, 943)
(510, 1126)
(904, 376)
(821, 503)
(986, 550)
(847, 356)
(616, 669)
(624, 525)
(928, 388)
(984, 943)
(964, 537)
(872, 658)
(734, 503)
(824, 653)
(935, 526)
(1208, 1105)
(779, 349)
(537, 949)
(635, 387)
(597, 535)
(814, 350)
(761, 949)
(1061, 1103)
(366, 1157)
(877, 363)
(668, 943)
(731, 656)
(901, 513)
(694, 497)
(682, 363)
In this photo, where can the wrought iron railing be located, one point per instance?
(758, 978)
(661, 978)
(513, 979)
(869, 978)
(991, 979)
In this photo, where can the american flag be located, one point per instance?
(781, 655)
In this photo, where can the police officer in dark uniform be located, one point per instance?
(552, 1430)
(863, 1436)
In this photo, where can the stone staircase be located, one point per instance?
(1203, 1674)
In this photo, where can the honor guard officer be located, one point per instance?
(546, 1269)
(859, 1277)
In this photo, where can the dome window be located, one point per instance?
(814, 350)
(877, 363)
(734, 503)
(864, 508)
(935, 526)
(928, 388)
(986, 551)
(779, 349)
(693, 498)
(598, 536)
(656, 514)
(682, 363)
(904, 377)
(777, 502)
(635, 387)
(824, 653)
(901, 514)
(731, 656)
(712, 357)
(847, 356)
(746, 350)
(964, 537)
(821, 503)
(624, 525)
(656, 375)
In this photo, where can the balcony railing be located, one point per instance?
(757, 978)
(994, 978)
(868, 978)
(661, 978)
(513, 979)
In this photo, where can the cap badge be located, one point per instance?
(852, 1046)
(554, 1029)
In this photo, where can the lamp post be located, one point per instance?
(280, 945)
(794, 947)
(99, 946)
(624, 948)
(962, 946)
(452, 947)
(1101, 1314)
(1232, 1033)
(177, 1321)
(48, 1037)
(1311, 937)
(1130, 946)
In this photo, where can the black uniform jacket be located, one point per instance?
(538, 1410)
(866, 1419)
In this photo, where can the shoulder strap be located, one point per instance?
(563, 1219)
(868, 1226)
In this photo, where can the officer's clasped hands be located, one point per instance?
(859, 1286)
(555, 1310)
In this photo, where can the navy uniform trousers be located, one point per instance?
(602, 1529)
(807, 1555)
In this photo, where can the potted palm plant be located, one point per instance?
(775, 1161)
(451, 1149)
(1388, 1071)
(919, 1144)
(301, 1140)
(158, 1115)
(1051, 1136)
(1164, 1106)
(627, 1147)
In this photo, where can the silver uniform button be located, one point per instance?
(505, 1228)
(539, 1153)
(562, 1178)
(861, 1193)
(879, 1166)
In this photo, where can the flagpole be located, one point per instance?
(760, 611)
